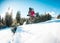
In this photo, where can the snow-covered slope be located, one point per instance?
(41, 33)
(48, 32)
(5, 35)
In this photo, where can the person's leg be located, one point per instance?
(33, 18)
(30, 19)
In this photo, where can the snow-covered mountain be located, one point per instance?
(46, 32)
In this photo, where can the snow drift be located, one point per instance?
(47, 32)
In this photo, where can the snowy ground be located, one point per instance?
(5, 35)
(47, 32)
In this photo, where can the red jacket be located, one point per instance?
(31, 13)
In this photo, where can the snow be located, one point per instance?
(41, 33)
(47, 32)
(5, 35)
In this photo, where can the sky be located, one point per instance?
(41, 6)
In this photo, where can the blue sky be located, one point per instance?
(40, 6)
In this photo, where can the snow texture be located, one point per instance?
(47, 32)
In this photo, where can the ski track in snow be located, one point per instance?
(33, 33)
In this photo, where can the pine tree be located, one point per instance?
(0, 19)
(58, 17)
(18, 17)
(8, 19)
